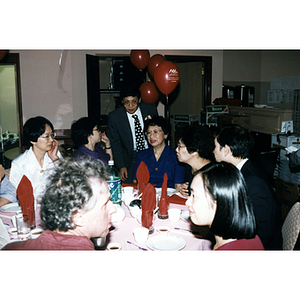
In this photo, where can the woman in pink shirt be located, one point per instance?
(219, 198)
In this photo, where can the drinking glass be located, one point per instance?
(23, 226)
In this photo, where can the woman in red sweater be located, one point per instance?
(219, 198)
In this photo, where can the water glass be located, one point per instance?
(23, 226)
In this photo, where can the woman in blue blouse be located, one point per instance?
(159, 157)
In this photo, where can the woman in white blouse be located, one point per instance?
(37, 162)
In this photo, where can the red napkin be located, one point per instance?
(164, 198)
(142, 176)
(26, 198)
(177, 199)
(148, 204)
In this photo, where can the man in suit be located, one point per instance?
(233, 144)
(121, 130)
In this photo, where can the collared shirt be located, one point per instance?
(240, 164)
(131, 122)
(7, 190)
(27, 164)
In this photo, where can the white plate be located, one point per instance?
(185, 216)
(166, 242)
(11, 207)
(170, 191)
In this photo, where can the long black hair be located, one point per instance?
(234, 216)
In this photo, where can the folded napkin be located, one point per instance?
(142, 176)
(148, 204)
(176, 199)
(26, 198)
(164, 198)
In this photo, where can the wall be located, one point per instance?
(257, 67)
(60, 93)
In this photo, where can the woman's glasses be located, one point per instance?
(154, 132)
(47, 137)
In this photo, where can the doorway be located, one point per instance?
(193, 92)
(11, 120)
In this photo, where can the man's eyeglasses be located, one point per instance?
(130, 102)
(47, 137)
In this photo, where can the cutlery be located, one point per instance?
(141, 248)
(190, 231)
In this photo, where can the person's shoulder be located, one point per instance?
(117, 111)
(23, 156)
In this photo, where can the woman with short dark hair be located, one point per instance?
(195, 148)
(159, 157)
(86, 136)
(219, 198)
(39, 161)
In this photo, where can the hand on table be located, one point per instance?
(183, 189)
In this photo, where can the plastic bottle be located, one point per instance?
(114, 184)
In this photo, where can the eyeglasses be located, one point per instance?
(130, 102)
(180, 146)
(154, 132)
(47, 137)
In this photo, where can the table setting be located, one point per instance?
(151, 225)
(148, 220)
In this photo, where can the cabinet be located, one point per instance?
(263, 120)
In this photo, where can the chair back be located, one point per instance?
(291, 227)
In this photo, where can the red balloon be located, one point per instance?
(166, 77)
(3, 53)
(153, 63)
(149, 93)
(140, 58)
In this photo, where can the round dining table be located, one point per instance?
(122, 230)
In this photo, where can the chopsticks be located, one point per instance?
(196, 233)
(141, 248)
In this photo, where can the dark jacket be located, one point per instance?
(120, 135)
(266, 206)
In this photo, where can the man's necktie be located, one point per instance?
(139, 139)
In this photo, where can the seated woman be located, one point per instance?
(159, 157)
(86, 136)
(7, 190)
(195, 148)
(39, 161)
(219, 198)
